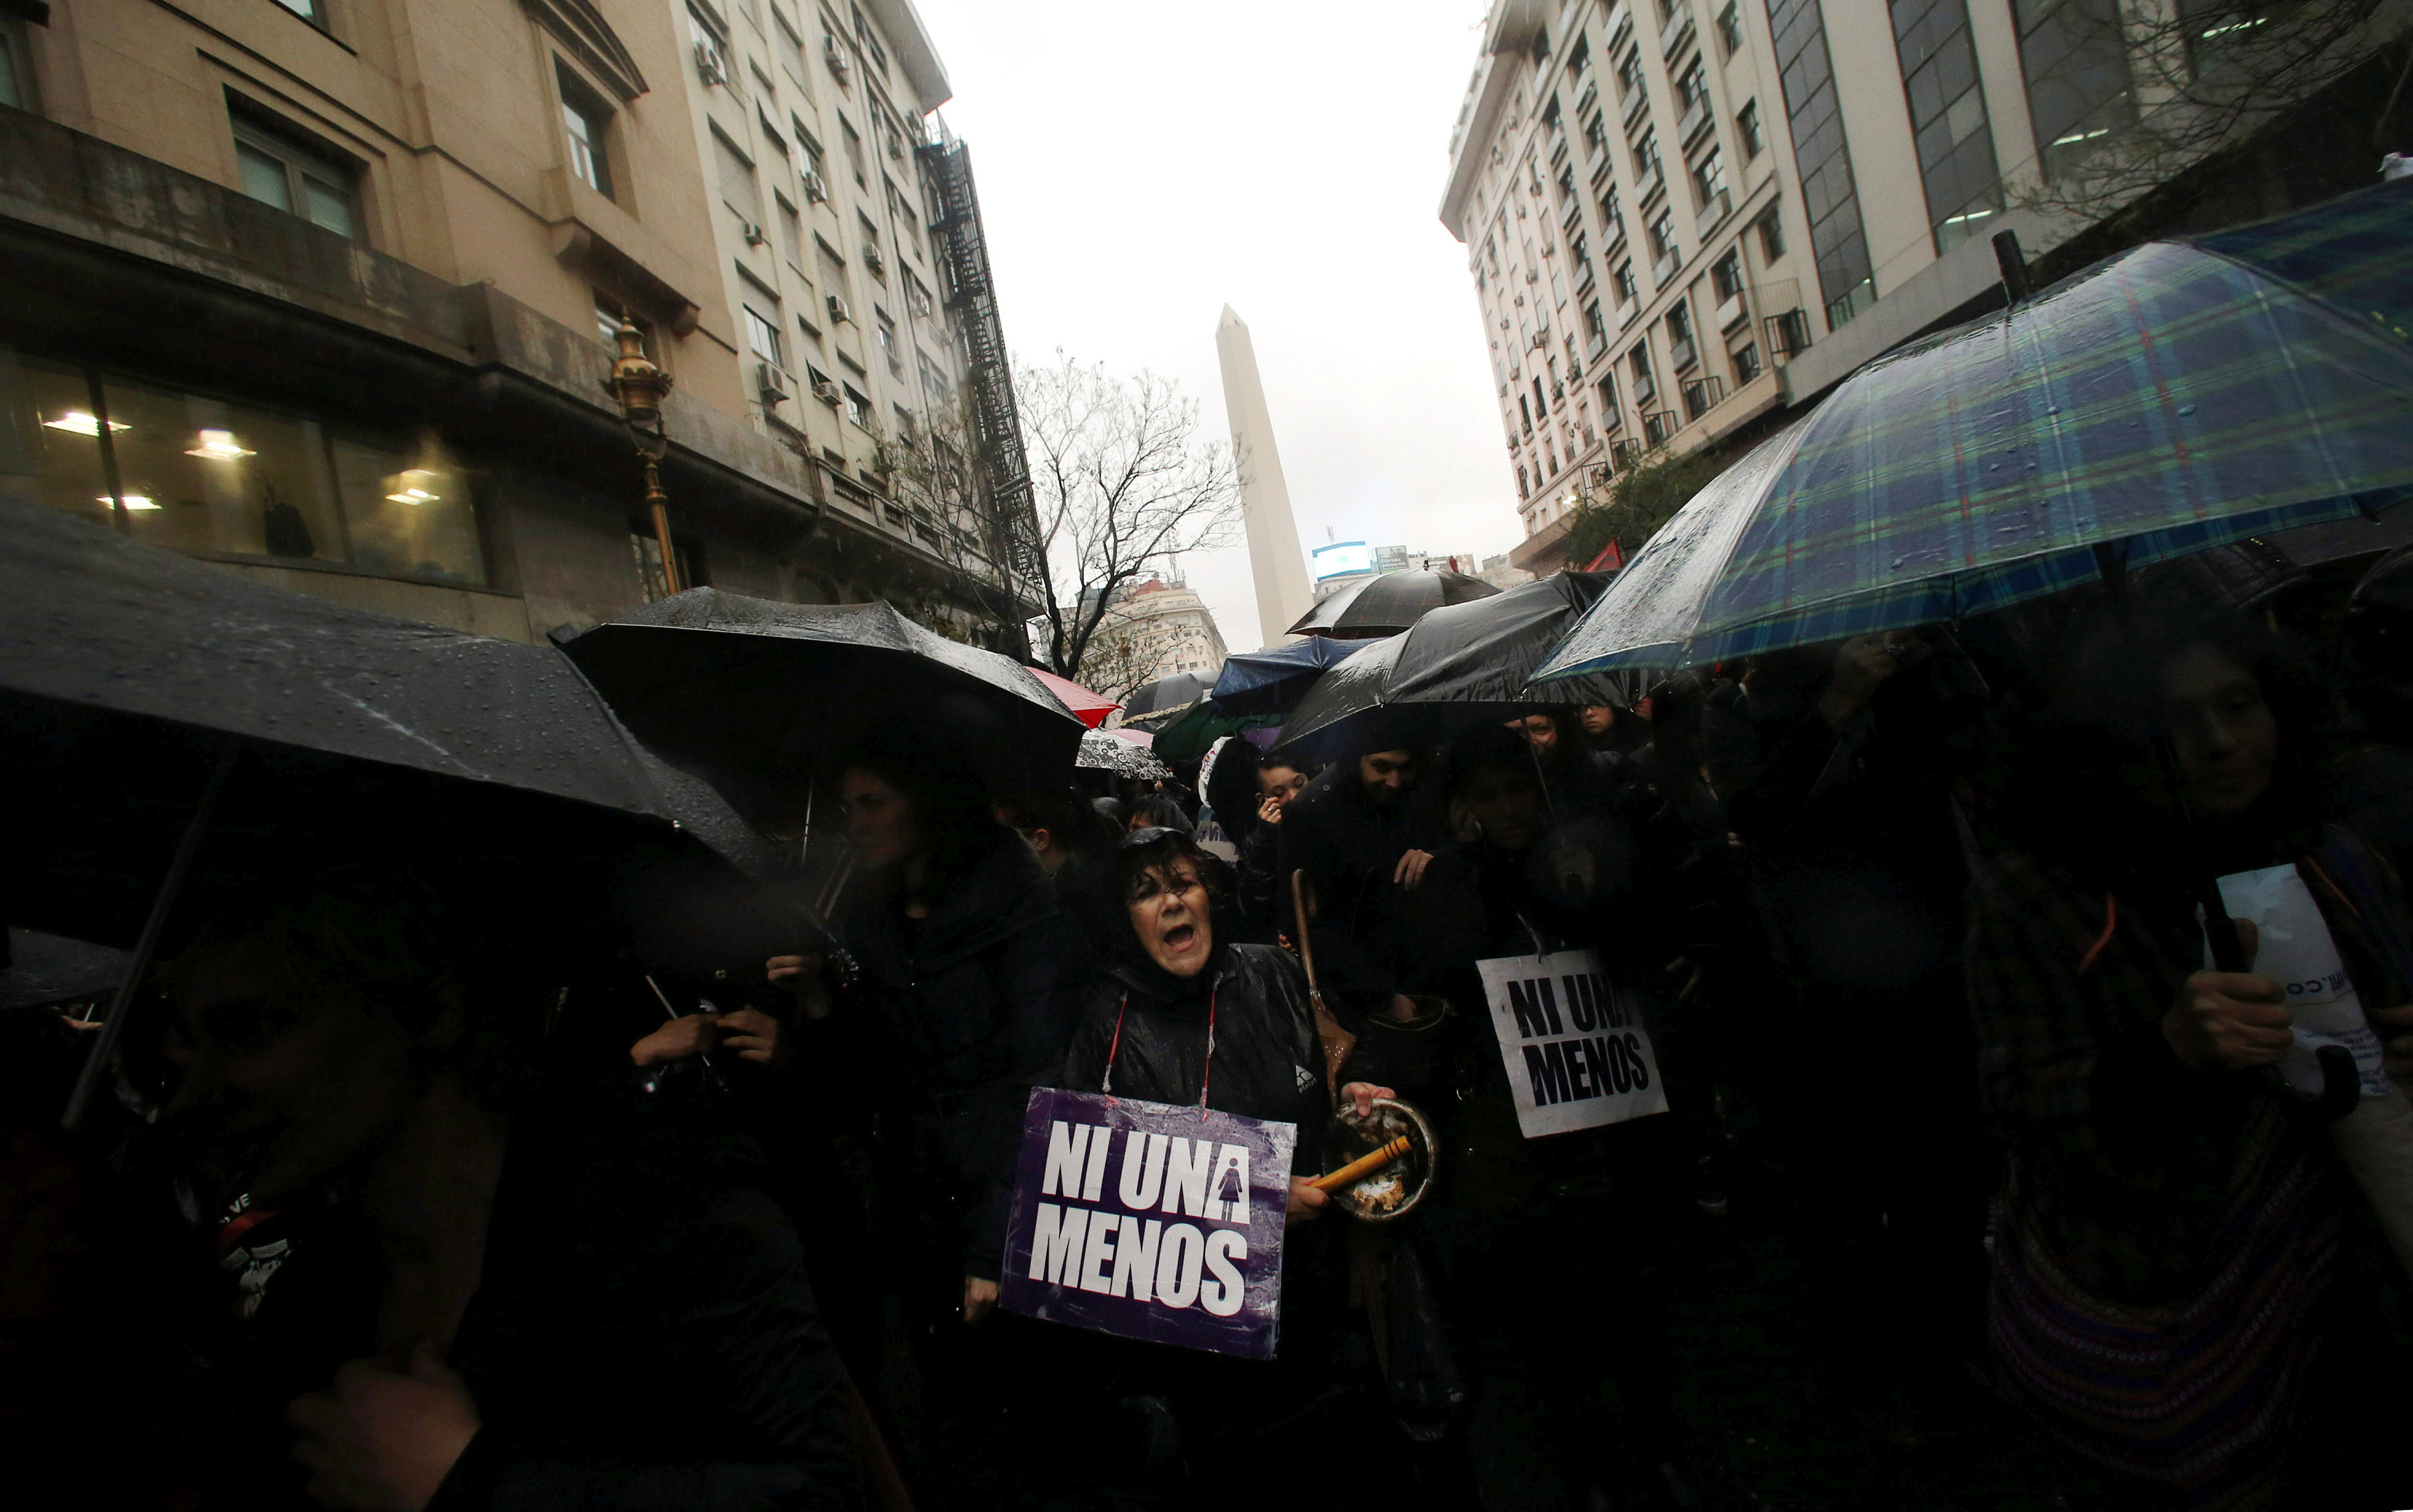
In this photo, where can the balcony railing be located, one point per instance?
(1633, 105)
(1659, 426)
(1644, 390)
(1702, 395)
(1649, 182)
(1788, 335)
(1625, 454)
(1663, 268)
(1696, 117)
(1621, 26)
(1731, 311)
(1718, 207)
(1681, 355)
(1678, 31)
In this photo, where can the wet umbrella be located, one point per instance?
(1093, 709)
(1388, 604)
(2180, 395)
(1459, 667)
(51, 968)
(751, 694)
(1156, 703)
(1273, 680)
(1103, 753)
(169, 729)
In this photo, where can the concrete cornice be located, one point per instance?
(901, 24)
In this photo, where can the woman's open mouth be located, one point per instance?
(1179, 938)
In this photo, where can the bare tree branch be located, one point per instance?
(1121, 482)
(2147, 89)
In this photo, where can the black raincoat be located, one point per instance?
(969, 1008)
(1350, 848)
(1266, 1062)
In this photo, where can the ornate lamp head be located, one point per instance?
(636, 382)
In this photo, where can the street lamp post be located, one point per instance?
(640, 386)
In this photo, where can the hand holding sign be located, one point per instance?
(1578, 1051)
(1152, 1221)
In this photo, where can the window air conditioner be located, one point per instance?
(754, 236)
(710, 66)
(837, 308)
(815, 189)
(835, 55)
(872, 260)
(825, 392)
(770, 384)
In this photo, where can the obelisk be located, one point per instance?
(1275, 559)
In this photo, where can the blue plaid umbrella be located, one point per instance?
(2177, 397)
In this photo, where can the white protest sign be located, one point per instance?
(2295, 949)
(1577, 1052)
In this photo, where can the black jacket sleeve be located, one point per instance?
(1039, 975)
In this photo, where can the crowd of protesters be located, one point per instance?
(399, 1209)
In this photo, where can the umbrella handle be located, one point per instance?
(121, 1006)
(1337, 1042)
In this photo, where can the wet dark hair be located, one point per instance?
(2087, 784)
(1071, 823)
(958, 828)
(1145, 850)
(1490, 746)
(1159, 810)
(391, 944)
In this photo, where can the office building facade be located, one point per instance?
(324, 291)
(1685, 218)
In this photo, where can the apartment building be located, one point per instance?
(325, 291)
(1153, 629)
(1685, 217)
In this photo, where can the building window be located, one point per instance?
(888, 341)
(858, 408)
(1813, 115)
(1637, 361)
(1772, 236)
(297, 178)
(309, 10)
(1948, 118)
(791, 51)
(1646, 157)
(1710, 178)
(1629, 75)
(1524, 488)
(608, 313)
(2075, 63)
(16, 68)
(1747, 130)
(1693, 90)
(852, 142)
(1662, 237)
(735, 177)
(1595, 329)
(1746, 364)
(792, 234)
(588, 121)
(1725, 274)
(762, 337)
(809, 145)
(221, 479)
(1627, 290)
(1730, 29)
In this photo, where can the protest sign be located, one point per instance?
(1578, 1051)
(1155, 1222)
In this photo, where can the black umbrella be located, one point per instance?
(750, 694)
(1459, 667)
(150, 704)
(1157, 701)
(1390, 603)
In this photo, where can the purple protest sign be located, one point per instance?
(1152, 1221)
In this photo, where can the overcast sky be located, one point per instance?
(1141, 166)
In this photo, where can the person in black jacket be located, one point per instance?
(1178, 1016)
(1363, 835)
(465, 1283)
(967, 973)
(1528, 875)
